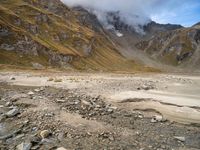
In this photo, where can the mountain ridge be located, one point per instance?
(45, 34)
(48, 33)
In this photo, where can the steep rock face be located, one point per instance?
(153, 27)
(179, 47)
(49, 33)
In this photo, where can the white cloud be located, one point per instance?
(162, 11)
(133, 12)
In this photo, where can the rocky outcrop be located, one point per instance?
(177, 47)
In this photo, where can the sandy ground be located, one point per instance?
(177, 97)
(100, 111)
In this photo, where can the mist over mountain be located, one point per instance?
(135, 13)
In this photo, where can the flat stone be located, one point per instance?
(85, 103)
(37, 90)
(30, 93)
(12, 112)
(180, 138)
(24, 146)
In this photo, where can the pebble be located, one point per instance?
(110, 110)
(157, 118)
(61, 148)
(30, 93)
(8, 104)
(12, 112)
(85, 102)
(17, 97)
(37, 90)
(24, 146)
(12, 78)
(44, 133)
(61, 136)
(60, 101)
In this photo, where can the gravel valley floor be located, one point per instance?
(76, 111)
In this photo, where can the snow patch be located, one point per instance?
(118, 34)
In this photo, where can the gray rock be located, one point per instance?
(17, 97)
(7, 47)
(24, 146)
(12, 78)
(12, 112)
(61, 136)
(180, 138)
(8, 104)
(38, 66)
(110, 110)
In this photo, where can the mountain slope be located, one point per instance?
(46, 33)
(179, 47)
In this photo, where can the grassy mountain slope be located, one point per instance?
(179, 47)
(47, 33)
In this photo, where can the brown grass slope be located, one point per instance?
(47, 32)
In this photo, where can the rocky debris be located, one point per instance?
(12, 112)
(24, 146)
(158, 118)
(39, 89)
(17, 97)
(11, 134)
(107, 135)
(146, 87)
(7, 47)
(121, 128)
(44, 134)
(180, 138)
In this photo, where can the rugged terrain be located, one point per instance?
(77, 99)
(91, 111)
(45, 34)
(178, 47)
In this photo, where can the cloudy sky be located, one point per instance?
(184, 12)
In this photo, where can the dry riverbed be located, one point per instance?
(99, 111)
